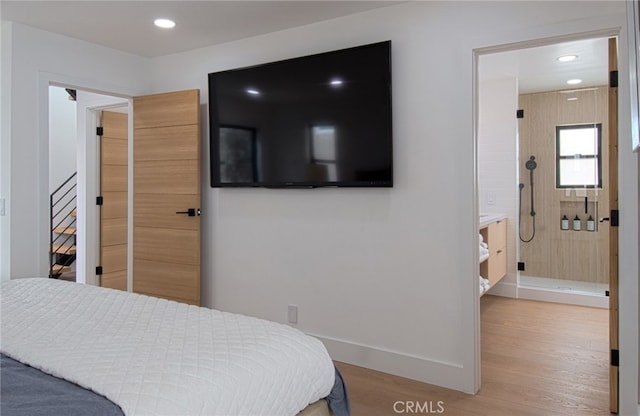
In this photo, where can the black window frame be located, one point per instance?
(597, 157)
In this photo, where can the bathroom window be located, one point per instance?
(578, 156)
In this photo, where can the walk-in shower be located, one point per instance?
(562, 246)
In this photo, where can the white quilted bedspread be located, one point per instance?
(156, 357)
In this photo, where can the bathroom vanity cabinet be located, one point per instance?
(494, 233)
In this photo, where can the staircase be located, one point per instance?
(62, 242)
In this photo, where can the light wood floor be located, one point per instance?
(538, 359)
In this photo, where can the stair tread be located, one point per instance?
(59, 268)
(65, 230)
(64, 248)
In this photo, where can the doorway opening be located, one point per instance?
(548, 183)
(557, 250)
(74, 152)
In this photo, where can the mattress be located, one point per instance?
(154, 356)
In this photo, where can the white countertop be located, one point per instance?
(486, 219)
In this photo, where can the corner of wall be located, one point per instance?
(5, 149)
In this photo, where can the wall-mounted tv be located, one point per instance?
(318, 120)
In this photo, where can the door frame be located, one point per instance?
(477, 53)
(89, 248)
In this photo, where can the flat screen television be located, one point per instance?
(318, 120)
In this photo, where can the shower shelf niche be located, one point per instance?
(573, 208)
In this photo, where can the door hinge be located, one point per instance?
(615, 358)
(520, 114)
(615, 214)
(521, 266)
(99, 271)
(99, 200)
(613, 79)
(99, 131)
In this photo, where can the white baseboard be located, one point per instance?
(446, 375)
(509, 290)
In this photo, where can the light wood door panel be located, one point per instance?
(167, 110)
(114, 205)
(117, 125)
(167, 143)
(113, 178)
(115, 280)
(166, 249)
(113, 231)
(159, 279)
(154, 210)
(166, 245)
(114, 258)
(114, 151)
(167, 177)
(114, 192)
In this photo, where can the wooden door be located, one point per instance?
(166, 196)
(613, 233)
(113, 189)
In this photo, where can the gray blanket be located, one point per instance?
(27, 391)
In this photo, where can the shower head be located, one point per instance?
(531, 163)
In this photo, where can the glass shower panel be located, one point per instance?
(562, 245)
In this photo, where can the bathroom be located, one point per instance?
(543, 164)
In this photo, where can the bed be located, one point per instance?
(139, 355)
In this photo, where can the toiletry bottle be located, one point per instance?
(564, 223)
(591, 224)
(576, 223)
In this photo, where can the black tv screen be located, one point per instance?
(318, 120)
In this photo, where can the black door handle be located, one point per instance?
(192, 212)
(603, 219)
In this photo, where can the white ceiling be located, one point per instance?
(128, 26)
(537, 69)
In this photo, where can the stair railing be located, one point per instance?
(62, 203)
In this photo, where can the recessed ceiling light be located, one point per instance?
(567, 58)
(252, 91)
(574, 81)
(336, 82)
(165, 23)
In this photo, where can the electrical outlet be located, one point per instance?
(292, 314)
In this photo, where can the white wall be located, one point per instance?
(497, 164)
(62, 137)
(31, 61)
(385, 277)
